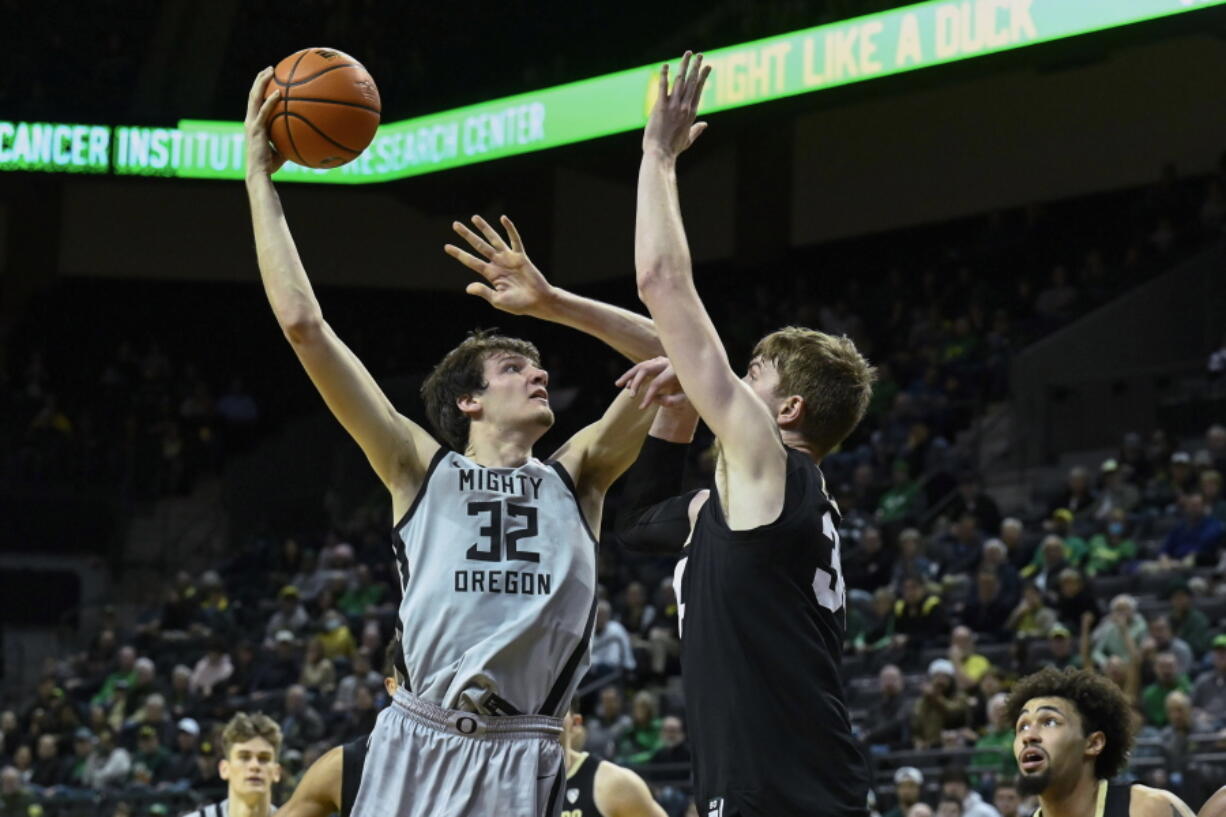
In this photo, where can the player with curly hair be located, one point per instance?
(1073, 734)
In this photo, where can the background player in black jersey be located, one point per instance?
(330, 786)
(1073, 734)
(760, 593)
(598, 788)
(251, 748)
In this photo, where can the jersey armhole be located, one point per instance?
(574, 494)
(779, 521)
(442, 452)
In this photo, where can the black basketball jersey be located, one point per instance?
(353, 758)
(580, 799)
(762, 620)
(1114, 800)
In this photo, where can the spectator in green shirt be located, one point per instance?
(904, 500)
(125, 670)
(363, 595)
(1167, 680)
(1112, 549)
(643, 738)
(1190, 624)
(998, 736)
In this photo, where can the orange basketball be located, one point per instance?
(329, 108)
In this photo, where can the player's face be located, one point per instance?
(516, 392)
(1049, 745)
(251, 768)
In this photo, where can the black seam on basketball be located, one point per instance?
(288, 130)
(311, 125)
(290, 82)
(339, 102)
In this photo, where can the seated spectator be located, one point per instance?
(212, 670)
(969, 666)
(889, 718)
(181, 768)
(73, 772)
(956, 789)
(942, 706)
(870, 564)
(876, 630)
(1113, 549)
(125, 670)
(1007, 799)
(611, 650)
(16, 799)
(1189, 623)
(290, 615)
(673, 746)
(1211, 490)
(1169, 485)
(1195, 541)
(908, 785)
(996, 557)
(109, 765)
(151, 758)
(301, 724)
(1031, 618)
(48, 767)
(1077, 497)
(336, 640)
(366, 593)
(362, 675)
(1167, 679)
(318, 673)
(359, 719)
(144, 682)
(638, 615)
(1116, 494)
(608, 725)
(642, 739)
(1061, 523)
(1180, 774)
(996, 743)
(962, 547)
(1074, 599)
(987, 613)
(1209, 693)
(919, 616)
(1060, 643)
(1013, 534)
(279, 670)
(903, 502)
(152, 714)
(911, 557)
(972, 499)
(181, 700)
(1050, 559)
(1119, 635)
(1162, 638)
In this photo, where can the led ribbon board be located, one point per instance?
(876, 45)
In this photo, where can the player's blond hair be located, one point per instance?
(828, 373)
(243, 727)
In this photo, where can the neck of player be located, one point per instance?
(793, 439)
(258, 804)
(500, 447)
(1076, 801)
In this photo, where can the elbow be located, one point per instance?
(653, 282)
(302, 329)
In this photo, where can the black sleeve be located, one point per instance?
(654, 518)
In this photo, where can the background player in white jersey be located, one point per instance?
(250, 765)
(494, 548)
(598, 788)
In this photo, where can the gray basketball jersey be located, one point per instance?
(498, 569)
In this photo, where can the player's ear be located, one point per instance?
(223, 769)
(469, 404)
(275, 773)
(1095, 743)
(790, 411)
(390, 685)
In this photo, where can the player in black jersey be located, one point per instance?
(330, 786)
(598, 788)
(760, 592)
(1073, 734)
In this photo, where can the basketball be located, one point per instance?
(329, 108)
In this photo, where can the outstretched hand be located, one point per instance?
(261, 157)
(515, 285)
(663, 388)
(671, 127)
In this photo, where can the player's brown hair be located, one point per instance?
(829, 373)
(243, 727)
(1101, 705)
(461, 372)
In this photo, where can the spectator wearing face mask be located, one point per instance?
(1113, 549)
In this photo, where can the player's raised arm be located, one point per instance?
(396, 447)
(746, 429)
(318, 794)
(514, 284)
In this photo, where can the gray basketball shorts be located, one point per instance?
(426, 761)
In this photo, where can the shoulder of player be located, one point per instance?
(1145, 801)
(619, 791)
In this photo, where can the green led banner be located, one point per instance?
(876, 45)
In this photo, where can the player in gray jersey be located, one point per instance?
(494, 547)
